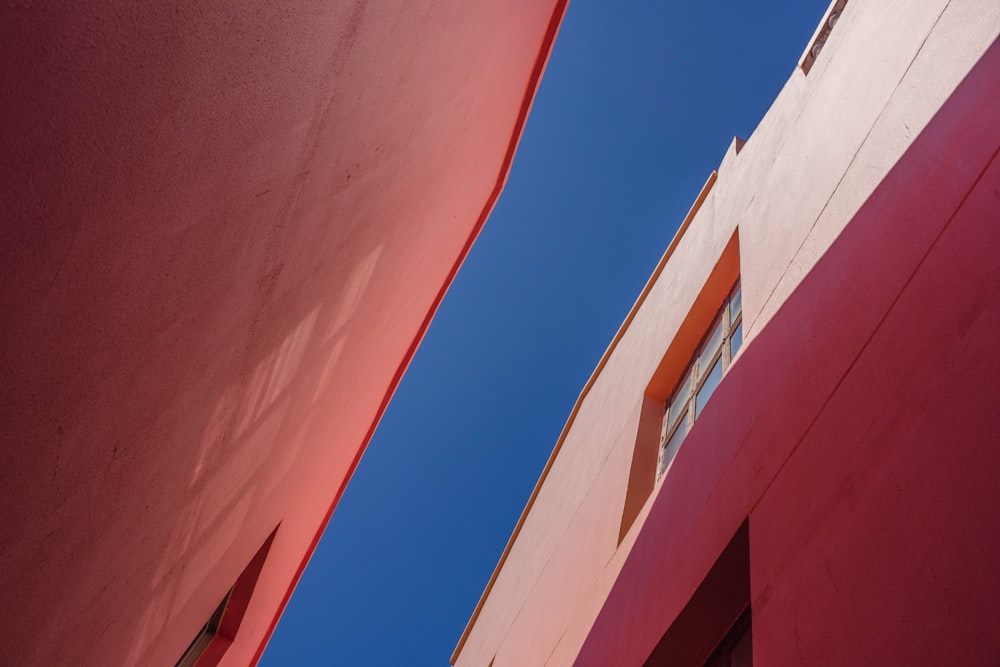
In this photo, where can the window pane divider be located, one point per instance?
(698, 371)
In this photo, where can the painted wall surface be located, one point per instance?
(225, 228)
(855, 429)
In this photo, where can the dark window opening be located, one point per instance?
(218, 633)
(736, 649)
(197, 647)
(714, 628)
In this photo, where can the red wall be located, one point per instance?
(858, 433)
(225, 226)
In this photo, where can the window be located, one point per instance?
(653, 436)
(204, 637)
(219, 631)
(702, 376)
(736, 649)
(714, 628)
(822, 33)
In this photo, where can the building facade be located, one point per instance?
(225, 229)
(787, 455)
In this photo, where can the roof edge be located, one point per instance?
(534, 80)
(668, 253)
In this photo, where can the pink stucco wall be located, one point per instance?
(225, 227)
(855, 430)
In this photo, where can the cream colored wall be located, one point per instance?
(827, 141)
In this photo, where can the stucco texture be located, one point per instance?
(225, 228)
(854, 433)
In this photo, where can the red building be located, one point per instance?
(225, 229)
(788, 453)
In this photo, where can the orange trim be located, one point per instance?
(676, 360)
(529, 97)
(694, 327)
(583, 394)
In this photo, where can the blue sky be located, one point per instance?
(638, 104)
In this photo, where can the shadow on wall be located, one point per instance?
(857, 431)
(225, 234)
(202, 445)
(265, 421)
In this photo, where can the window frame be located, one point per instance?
(821, 35)
(205, 636)
(742, 630)
(683, 343)
(218, 633)
(695, 377)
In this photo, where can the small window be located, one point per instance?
(822, 33)
(219, 631)
(714, 628)
(703, 374)
(204, 637)
(710, 333)
(736, 648)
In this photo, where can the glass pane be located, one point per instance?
(711, 382)
(678, 403)
(737, 339)
(670, 449)
(711, 345)
(736, 303)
